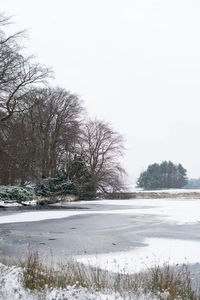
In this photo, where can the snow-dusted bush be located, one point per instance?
(16, 193)
(54, 186)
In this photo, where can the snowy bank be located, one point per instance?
(12, 287)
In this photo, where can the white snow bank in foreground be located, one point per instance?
(157, 252)
(11, 288)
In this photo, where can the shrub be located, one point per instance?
(16, 193)
(54, 186)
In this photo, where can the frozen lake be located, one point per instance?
(117, 235)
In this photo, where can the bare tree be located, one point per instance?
(53, 124)
(11, 150)
(17, 73)
(100, 148)
(37, 141)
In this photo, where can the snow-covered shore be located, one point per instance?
(12, 288)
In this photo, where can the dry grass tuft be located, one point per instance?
(175, 281)
(165, 282)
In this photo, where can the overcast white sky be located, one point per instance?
(135, 63)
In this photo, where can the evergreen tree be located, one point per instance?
(165, 175)
(81, 178)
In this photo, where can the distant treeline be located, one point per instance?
(193, 183)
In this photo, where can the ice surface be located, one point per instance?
(156, 252)
(176, 211)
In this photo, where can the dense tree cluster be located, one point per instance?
(44, 134)
(162, 176)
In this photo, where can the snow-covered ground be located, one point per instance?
(12, 289)
(11, 203)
